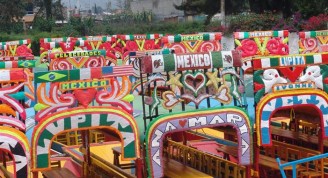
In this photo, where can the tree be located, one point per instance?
(195, 7)
(222, 12)
(309, 8)
(47, 5)
(57, 10)
(10, 12)
(210, 7)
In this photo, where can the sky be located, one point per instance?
(88, 4)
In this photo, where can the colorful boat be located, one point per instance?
(152, 105)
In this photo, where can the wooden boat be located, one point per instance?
(164, 114)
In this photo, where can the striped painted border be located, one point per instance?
(47, 40)
(170, 62)
(16, 58)
(18, 42)
(84, 73)
(279, 61)
(312, 34)
(7, 75)
(149, 52)
(179, 38)
(17, 64)
(98, 38)
(244, 35)
(140, 36)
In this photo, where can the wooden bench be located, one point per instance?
(173, 169)
(58, 173)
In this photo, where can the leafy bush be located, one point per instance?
(292, 24)
(319, 22)
(253, 22)
(43, 24)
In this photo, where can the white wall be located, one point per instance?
(160, 8)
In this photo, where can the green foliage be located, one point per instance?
(11, 12)
(42, 24)
(309, 8)
(253, 22)
(83, 27)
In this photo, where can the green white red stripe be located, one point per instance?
(97, 38)
(84, 73)
(17, 64)
(15, 58)
(47, 40)
(290, 60)
(190, 61)
(244, 35)
(136, 54)
(140, 36)
(18, 42)
(192, 37)
(12, 75)
(312, 34)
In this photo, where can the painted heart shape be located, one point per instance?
(223, 95)
(170, 100)
(196, 100)
(292, 75)
(85, 97)
(182, 123)
(194, 81)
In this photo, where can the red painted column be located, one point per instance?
(139, 167)
(256, 153)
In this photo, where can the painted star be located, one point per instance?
(174, 81)
(213, 79)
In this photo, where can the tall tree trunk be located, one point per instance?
(48, 5)
(222, 12)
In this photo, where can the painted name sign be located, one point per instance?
(83, 84)
(293, 86)
(322, 33)
(292, 60)
(192, 38)
(258, 34)
(193, 61)
(78, 54)
(139, 37)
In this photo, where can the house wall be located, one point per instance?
(160, 8)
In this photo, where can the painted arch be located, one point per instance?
(271, 102)
(108, 117)
(169, 123)
(15, 142)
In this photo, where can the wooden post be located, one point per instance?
(184, 137)
(321, 146)
(139, 167)
(35, 174)
(256, 153)
(86, 156)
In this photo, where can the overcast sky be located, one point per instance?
(87, 4)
